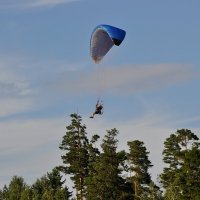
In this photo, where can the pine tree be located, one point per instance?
(106, 180)
(1, 195)
(47, 195)
(139, 166)
(181, 178)
(63, 194)
(26, 193)
(93, 157)
(50, 186)
(75, 159)
(154, 192)
(187, 179)
(55, 180)
(4, 193)
(40, 186)
(15, 188)
(171, 154)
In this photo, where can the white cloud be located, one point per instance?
(15, 89)
(28, 133)
(24, 82)
(29, 148)
(12, 83)
(25, 143)
(126, 79)
(152, 129)
(37, 3)
(22, 4)
(12, 106)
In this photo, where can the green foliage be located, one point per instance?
(50, 186)
(154, 192)
(39, 187)
(26, 193)
(93, 157)
(99, 173)
(139, 166)
(4, 193)
(181, 179)
(76, 157)
(47, 195)
(15, 188)
(63, 194)
(55, 180)
(105, 181)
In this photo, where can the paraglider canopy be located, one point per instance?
(102, 40)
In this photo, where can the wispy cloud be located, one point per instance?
(39, 3)
(126, 79)
(12, 84)
(22, 4)
(152, 129)
(25, 81)
(15, 89)
(33, 141)
(37, 141)
(12, 106)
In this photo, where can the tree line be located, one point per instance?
(104, 173)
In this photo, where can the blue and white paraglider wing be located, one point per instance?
(102, 40)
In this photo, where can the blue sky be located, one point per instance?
(149, 85)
